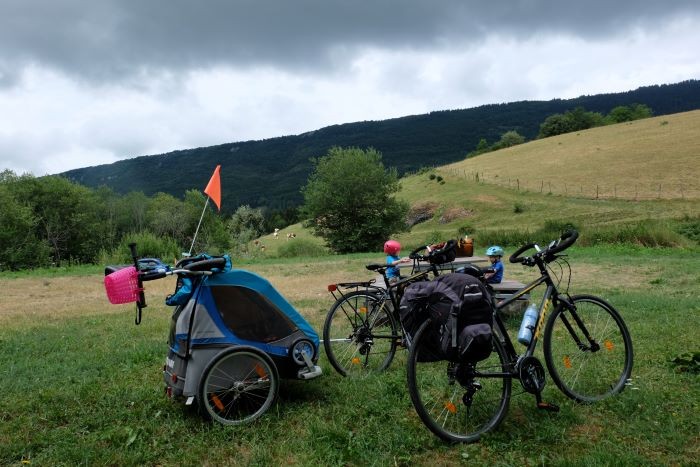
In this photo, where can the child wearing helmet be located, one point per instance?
(495, 274)
(392, 249)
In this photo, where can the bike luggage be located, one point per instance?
(460, 306)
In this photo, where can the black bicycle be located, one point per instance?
(362, 330)
(587, 350)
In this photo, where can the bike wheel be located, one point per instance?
(588, 370)
(458, 401)
(238, 386)
(360, 334)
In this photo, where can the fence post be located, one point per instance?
(596, 191)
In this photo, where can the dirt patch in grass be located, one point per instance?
(455, 213)
(421, 212)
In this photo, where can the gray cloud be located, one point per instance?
(109, 39)
(91, 82)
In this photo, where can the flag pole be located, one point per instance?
(206, 203)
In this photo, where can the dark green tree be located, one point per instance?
(481, 147)
(349, 200)
(68, 217)
(628, 113)
(19, 246)
(245, 225)
(508, 139)
(572, 120)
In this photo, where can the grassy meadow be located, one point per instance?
(652, 158)
(82, 384)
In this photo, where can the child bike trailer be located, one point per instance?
(232, 336)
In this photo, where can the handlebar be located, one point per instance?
(414, 254)
(198, 268)
(206, 264)
(446, 246)
(567, 239)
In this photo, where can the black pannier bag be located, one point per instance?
(460, 307)
(466, 335)
(423, 300)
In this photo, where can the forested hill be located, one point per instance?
(270, 172)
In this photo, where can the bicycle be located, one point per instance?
(587, 350)
(363, 329)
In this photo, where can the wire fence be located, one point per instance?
(637, 191)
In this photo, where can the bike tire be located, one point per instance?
(360, 334)
(438, 393)
(588, 373)
(238, 386)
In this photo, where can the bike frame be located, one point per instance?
(551, 298)
(382, 293)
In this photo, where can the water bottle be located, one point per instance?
(528, 325)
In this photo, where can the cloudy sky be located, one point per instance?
(87, 82)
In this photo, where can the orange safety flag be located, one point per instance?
(213, 189)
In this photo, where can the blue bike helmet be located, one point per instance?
(494, 251)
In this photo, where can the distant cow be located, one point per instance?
(291, 235)
(276, 234)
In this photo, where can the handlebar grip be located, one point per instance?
(151, 276)
(567, 239)
(515, 257)
(206, 265)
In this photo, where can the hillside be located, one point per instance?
(646, 154)
(270, 172)
(645, 159)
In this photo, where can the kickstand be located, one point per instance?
(545, 405)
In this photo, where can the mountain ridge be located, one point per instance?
(270, 172)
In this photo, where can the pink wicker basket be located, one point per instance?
(122, 286)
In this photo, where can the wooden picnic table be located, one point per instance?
(505, 288)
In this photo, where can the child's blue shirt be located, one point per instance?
(392, 271)
(498, 275)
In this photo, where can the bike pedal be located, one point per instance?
(548, 407)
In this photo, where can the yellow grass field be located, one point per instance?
(646, 159)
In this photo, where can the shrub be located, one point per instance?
(518, 208)
(301, 247)
(644, 233)
(689, 228)
(554, 228)
(466, 229)
(147, 245)
(432, 176)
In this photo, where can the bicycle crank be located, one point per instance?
(531, 374)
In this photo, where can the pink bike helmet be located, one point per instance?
(392, 247)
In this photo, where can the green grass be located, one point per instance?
(86, 388)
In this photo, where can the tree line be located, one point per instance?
(576, 119)
(52, 221)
